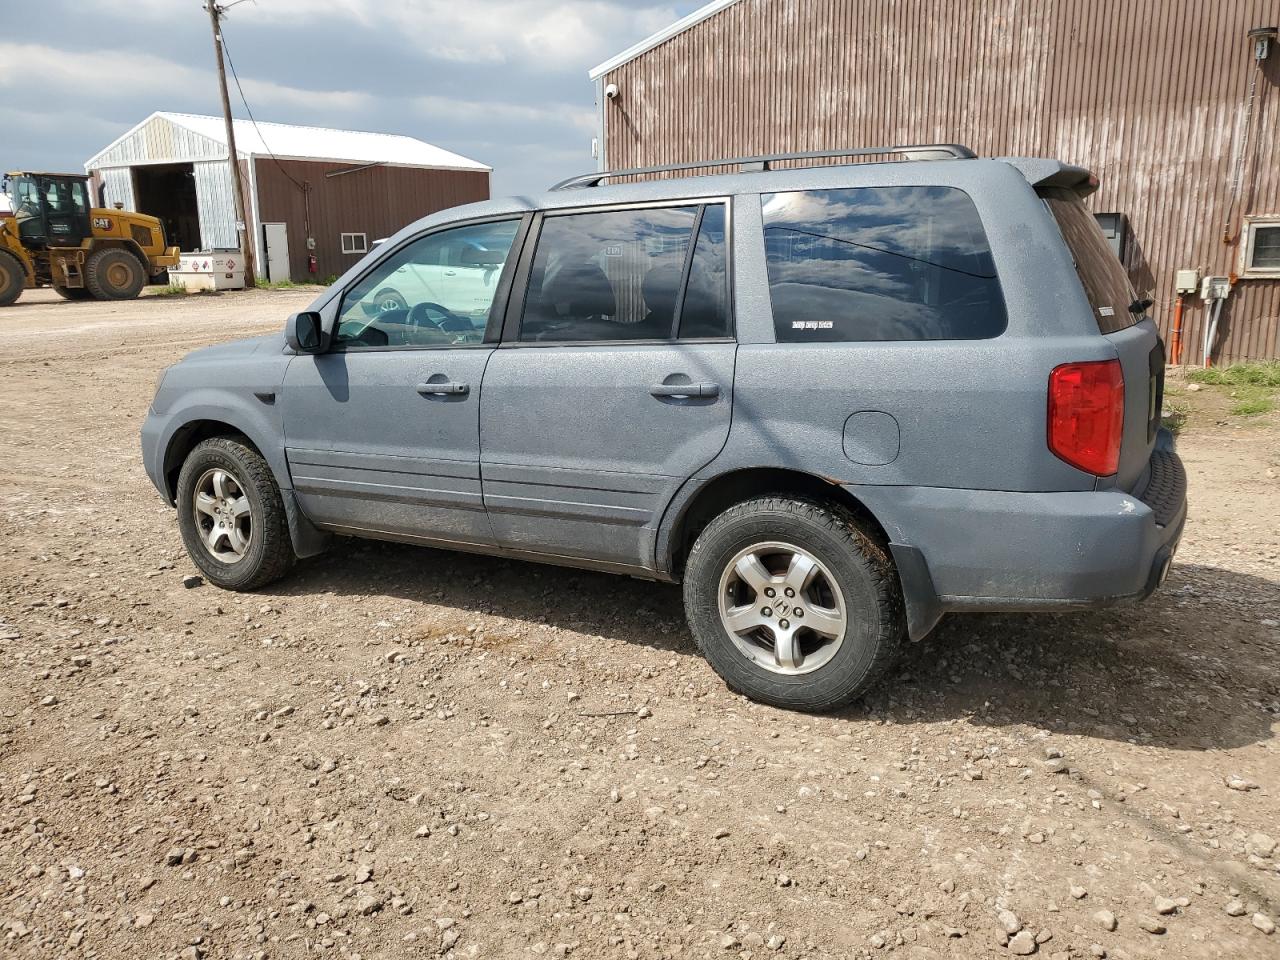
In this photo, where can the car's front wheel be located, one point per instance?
(793, 603)
(232, 516)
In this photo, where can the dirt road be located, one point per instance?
(405, 753)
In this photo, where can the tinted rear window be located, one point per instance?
(1101, 272)
(880, 263)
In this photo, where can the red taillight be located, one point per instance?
(1086, 415)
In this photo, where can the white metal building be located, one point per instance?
(310, 185)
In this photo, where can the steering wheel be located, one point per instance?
(420, 316)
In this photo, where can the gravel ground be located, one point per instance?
(399, 752)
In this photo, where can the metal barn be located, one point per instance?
(1173, 103)
(316, 198)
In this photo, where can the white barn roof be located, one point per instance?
(176, 137)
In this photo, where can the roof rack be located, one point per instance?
(919, 151)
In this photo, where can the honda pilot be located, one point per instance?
(835, 401)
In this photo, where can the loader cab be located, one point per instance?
(52, 209)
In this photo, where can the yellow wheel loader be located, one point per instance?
(52, 237)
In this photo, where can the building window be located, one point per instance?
(1261, 247)
(355, 243)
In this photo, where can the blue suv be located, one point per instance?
(835, 401)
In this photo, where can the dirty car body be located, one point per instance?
(692, 379)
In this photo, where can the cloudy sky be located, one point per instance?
(502, 81)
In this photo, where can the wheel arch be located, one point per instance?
(121, 243)
(307, 540)
(185, 439)
(699, 502)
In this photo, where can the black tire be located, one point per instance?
(72, 293)
(385, 300)
(859, 565)
(12, 278)
(269, 553)
(114, 274)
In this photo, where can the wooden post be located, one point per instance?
(237, 183)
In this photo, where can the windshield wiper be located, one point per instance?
(1141, 306)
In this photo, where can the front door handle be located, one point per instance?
(685, 390)
(447, 388)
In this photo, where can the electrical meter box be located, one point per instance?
(1215, 288)
(1186, 281)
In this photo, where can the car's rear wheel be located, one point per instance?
(793, 602)
(231, 515)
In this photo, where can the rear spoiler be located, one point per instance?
(1054, 173)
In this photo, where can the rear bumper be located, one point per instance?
(993, 550)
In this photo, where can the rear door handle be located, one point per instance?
(447, 388)
(685, 390)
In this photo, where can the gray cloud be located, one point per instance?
(503, 81)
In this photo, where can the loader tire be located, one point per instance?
(114, 274)
(12, 278)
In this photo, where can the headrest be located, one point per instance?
(580, 290)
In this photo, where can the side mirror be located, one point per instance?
(305, 332)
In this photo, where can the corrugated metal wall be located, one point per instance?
(375, 201)
(117, 185)
(216, 203)
(160, 141)
(1149, 94)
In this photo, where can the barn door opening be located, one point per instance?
(168, 191)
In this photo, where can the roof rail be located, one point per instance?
(919, 151)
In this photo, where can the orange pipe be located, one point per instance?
(1175, 337)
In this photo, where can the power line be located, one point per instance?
(231, 63)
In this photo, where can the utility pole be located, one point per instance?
(216, 13)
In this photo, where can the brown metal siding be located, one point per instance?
(376, 201)
(1149, 94)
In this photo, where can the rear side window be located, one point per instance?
(880, 263)
(620, 275)
(1101, 273)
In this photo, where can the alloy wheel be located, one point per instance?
(223, 515)
(782, 608)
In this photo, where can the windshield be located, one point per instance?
(1105, 282)
(24, 195)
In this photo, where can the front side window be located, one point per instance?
(880, 263)
(418, 297)
(618, 275)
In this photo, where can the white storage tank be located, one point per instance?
(220, 270)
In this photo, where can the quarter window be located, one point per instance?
(435, 291)
(1103, 277)
(880, 263)
(619, 275)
